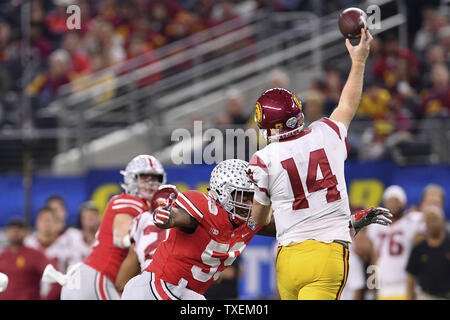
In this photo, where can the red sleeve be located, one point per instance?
(194, 202)
(128, 205)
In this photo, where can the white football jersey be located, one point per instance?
(146, 237)
(80, 249)
(58, 250)
(61, 251)
(393, 245)
(304, 178)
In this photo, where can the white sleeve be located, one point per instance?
(259, 174)
(261, 197)
(340, 132)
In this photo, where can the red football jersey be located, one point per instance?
(201, 256)
(105, 256)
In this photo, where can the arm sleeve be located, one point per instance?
(340, 132)
(192, 202)
(259, 174)
(128, 206)
(133, 231)
(261, 197)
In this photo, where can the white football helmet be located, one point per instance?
(141, 164)
(227, 177)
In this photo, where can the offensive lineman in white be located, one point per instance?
(300, 174)
(145, 238)
(394, 244)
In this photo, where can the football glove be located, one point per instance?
(370, 215)
(161, 215)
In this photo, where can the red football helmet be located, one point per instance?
(279, 114)
(162, 197)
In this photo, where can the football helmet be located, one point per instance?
(162, 197)
(279, 114)
(229, 185)
(141, 164)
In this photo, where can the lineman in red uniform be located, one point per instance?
(208, 232)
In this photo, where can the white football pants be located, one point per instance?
(89, 284)
(147, 286)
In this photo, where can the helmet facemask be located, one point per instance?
(147, 185)
(272, 135)
(142, 176)
(231, 187)
(242, 202)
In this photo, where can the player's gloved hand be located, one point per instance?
(370, 215)
(161, 216)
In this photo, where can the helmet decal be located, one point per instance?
(292, 122)
(258, 112)
(299, 104)
(162, 196)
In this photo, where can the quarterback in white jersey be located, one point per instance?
(300, 175)
(393, 245)
(313, 159)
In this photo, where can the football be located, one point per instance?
(351, 21)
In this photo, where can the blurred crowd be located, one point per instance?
(110, 32)
(405, 101)
(49, 241)
(409, 259)
(406, 88)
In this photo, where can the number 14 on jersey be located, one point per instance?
(317, 158)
